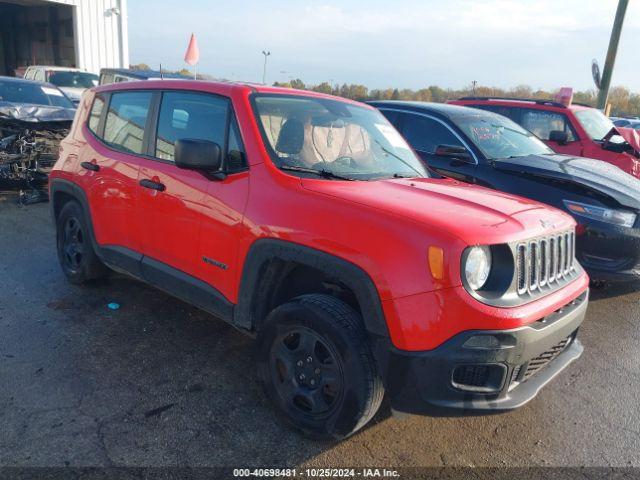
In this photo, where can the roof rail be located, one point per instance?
(538, 101)
(582, 104)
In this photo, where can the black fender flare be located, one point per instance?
(254, 284)
(59, 185)
(116, 257)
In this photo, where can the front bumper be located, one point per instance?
(609, 253)
(459, 379)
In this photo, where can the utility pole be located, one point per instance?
(264, 70)
(603, 94)
(473, 86)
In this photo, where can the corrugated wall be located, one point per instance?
(101, 33)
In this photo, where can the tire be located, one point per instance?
(77, 257)
(316, 366)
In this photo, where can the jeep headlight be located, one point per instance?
(623, 218)
(477, 266)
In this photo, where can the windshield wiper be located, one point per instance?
(389, 152)
(320, 173)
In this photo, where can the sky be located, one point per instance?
(405, 44)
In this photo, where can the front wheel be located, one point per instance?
(316, 366)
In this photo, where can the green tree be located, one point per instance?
(297, 83)
(324, 87)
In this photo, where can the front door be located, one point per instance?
(176, 205)
(542, 122)
(425, 134)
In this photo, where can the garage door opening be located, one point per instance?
(33, 32)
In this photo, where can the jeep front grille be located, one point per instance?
(545, 262)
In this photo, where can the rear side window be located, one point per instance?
(190, 115)
(96, 113)
(425, 134)
(126, 119)
(542, 123)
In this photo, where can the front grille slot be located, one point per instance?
(533, 366)
(545, 263)
(522, 268)
(534, 266)
(544, 256)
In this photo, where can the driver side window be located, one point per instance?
(425, 134)
(542, 123)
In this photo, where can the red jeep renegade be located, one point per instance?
(306, 221)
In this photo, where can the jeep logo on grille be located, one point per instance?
(546, 224)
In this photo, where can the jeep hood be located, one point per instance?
(25, 112)
(597, 175)
(473, 214)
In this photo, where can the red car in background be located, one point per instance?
(573, 129)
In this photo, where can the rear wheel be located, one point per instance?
(316, 366)
(75, 251)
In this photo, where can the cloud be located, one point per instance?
(542, 43)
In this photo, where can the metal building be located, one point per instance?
(88, 34)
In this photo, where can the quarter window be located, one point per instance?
(126, 119)
(96, 113)
(190, 115)
(236, 159)
(425, 134)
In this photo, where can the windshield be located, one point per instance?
(73, 79)
(33, 93)
(498, 137)
(595, 123)
(333, 139)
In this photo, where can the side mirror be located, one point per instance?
(558, 136)
(192, 154)
(452, 151)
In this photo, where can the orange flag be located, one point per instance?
(192, 56)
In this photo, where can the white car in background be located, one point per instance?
(72, 81)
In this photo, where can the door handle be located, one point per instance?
(146, 183)
(90, 166)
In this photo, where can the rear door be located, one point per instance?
(110, 161)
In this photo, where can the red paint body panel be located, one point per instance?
(584, 146)
(384, 227)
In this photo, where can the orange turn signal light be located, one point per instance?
(576, 208)
(436, 262)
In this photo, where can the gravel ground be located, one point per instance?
(158, 382)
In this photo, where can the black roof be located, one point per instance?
(141, 74)
(442, 109)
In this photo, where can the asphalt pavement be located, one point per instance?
(157, 382)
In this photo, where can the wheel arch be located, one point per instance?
(272, 266)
